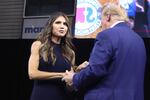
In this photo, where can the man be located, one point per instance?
(117, 61)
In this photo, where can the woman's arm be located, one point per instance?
(33, 65)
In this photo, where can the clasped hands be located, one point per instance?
(68, 75)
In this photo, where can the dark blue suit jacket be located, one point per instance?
(116, 66)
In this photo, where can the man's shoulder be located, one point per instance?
(106, 33)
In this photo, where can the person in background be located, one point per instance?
(148, 14)
(51, 54)
(131, 22)
(139, 6)
(116, 66)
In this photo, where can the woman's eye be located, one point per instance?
(58, 22)
(65, 24)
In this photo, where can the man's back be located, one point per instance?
(126, 65)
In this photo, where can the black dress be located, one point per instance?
(52, 89)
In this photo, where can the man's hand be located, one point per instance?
(82, 66)
(68, 76)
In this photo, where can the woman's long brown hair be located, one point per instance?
(47, 50)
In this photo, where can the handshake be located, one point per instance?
(68, 75)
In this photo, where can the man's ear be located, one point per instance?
(108, 17)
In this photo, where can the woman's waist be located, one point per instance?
(57, 81)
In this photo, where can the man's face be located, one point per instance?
(104, 23)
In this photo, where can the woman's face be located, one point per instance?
(60, 27)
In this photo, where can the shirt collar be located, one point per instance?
(116, 23)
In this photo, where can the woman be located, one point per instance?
(51, 54)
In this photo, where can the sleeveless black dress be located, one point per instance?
(52, 89)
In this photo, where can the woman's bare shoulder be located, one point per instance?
(36, 45)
